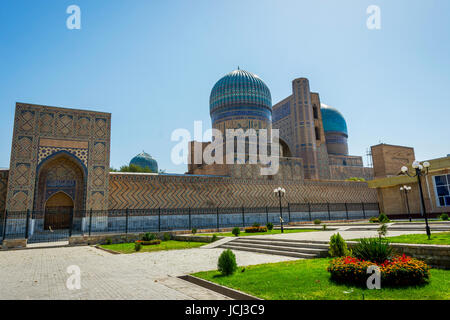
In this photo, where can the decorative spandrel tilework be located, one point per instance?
(69, 128)
(45, 152)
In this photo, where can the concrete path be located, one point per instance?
(42, 273)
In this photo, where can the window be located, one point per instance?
(316, 114)
(316, 129)
(442, 188)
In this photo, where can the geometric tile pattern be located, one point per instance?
(80, 153)
(142, 191)
(33, 123)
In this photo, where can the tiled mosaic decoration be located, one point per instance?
(32, 124)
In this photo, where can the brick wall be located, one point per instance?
(342, 172)
(140, 191)
(388, 159)
(3, 189)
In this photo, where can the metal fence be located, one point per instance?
(37, 227)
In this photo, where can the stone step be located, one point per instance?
(320, 252)
(269, 251)
(284, 240)
(275, 242)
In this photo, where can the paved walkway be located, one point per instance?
(42, 273)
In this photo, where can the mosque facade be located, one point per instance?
(60, 158)
(312, 136)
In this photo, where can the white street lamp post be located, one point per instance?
(421, 171)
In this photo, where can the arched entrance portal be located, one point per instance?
(58, 212)
(60, 193)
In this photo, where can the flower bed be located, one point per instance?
(149, 243)
(398, 271)
(255, 229)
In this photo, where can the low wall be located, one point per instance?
(14, 243)
(131, 237)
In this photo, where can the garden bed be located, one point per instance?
(310, 280)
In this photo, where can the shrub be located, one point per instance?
(137, 246)
(148, 243)
(149, 236)
(256, 225)
(383, 218)
(338, 246)
(399, 271)
(374, 220)
(317, 221)
(167, 236)
(269, 226)
(227, 263)
(236, 231)
(324, 227)
(372, 249)
(444, 216)
(382, 230)
(255, 229)
(108, 241)
(214, 238)
(194, 230)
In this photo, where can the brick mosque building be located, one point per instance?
(60, 158)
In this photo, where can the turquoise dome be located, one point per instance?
(333, 120)
(145, 160)
(240, 94)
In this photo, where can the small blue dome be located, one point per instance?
(145, 160)
(333, 120)
(240, 93)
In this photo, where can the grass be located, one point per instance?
(436, 238)
(309, 280)
(164, 245)
(243, 233)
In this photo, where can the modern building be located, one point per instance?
(387, 163)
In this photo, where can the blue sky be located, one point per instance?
(152, 65)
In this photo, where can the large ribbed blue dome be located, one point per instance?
(240, 93)
(145, 160)
(333, 120)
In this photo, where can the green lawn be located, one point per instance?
(436, 238)
(309, 280)
(164, 245)
(243, 233)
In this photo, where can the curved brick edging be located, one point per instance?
(231, 293)
(107, 250)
